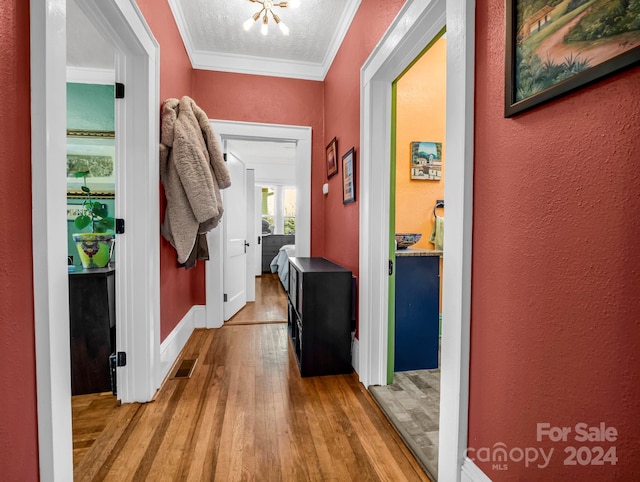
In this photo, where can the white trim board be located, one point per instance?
(138, 279)
(301, 135)
(415, 26)
(173, 344)
(83, 75)
(472, 473)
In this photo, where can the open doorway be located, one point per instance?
(240, 137)
(91, 200)
(411, 400)
(137, 286)
(414, 28)
(271, 172)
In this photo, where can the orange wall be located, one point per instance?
(18, 426)
(555, 313)
(420, 116)
(180, 289)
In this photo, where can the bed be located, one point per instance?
(280, 264)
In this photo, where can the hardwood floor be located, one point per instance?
(245, 414)
(270, 305)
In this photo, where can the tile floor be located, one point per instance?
(412, 404)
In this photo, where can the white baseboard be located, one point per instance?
(173, 344)
(470, 472)
(355, 353)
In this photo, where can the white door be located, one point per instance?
(251, 234)
(235, 236)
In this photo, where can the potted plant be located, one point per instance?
(94, 247)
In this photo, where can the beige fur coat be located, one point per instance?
(193, 171)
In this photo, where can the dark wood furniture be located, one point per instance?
(92, 325)
(271, 244)
(319, 318)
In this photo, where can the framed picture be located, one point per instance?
(555, 47)
(349, 177)
(426, 161)
(332, 158)
(92, 151)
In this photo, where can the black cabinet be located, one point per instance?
(320, 316)
(271, 244)
(92, 327)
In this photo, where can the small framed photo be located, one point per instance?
(332, 158)
(426, 161)
(349, 177)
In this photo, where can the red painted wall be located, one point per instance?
(180, 289)
(270, 100)
(342, 120)
(555, 321)
(18, 416)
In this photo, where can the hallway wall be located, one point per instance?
(556, 267)
(236, 97)
(342, 120)
(180, 289)
(18, 424)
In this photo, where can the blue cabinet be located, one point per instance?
(416, 312)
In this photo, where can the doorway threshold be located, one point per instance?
(412, 405)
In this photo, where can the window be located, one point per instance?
(278, 210)
(289, 210)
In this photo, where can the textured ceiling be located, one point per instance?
(213, 35)
(86, 48)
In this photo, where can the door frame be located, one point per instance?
(138, 283)
(301, 136)
(415, 26)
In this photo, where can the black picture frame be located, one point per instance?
(349, 176)
(551, 25)
(331, 153)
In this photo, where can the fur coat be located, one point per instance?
(193, 171)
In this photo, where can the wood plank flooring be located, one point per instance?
(245, 414)
(270, 305)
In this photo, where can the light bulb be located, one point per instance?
(283, 28)
(264, 30)
(248, 23)
(294, 3)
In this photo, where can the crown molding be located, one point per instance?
(248, 64)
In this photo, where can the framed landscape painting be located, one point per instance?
(426, 161)
(556, 46)
(92, 151)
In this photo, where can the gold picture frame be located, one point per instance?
(93, 151)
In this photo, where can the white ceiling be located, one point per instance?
(86, 48)
(273, 162)
(215, 40)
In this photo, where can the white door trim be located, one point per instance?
(301, 135)
(138, 283)
(415, 26)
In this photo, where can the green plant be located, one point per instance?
(94, 213)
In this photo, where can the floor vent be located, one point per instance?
(185, 368)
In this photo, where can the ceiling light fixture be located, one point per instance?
(267, 6)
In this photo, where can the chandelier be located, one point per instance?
(265, 11)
